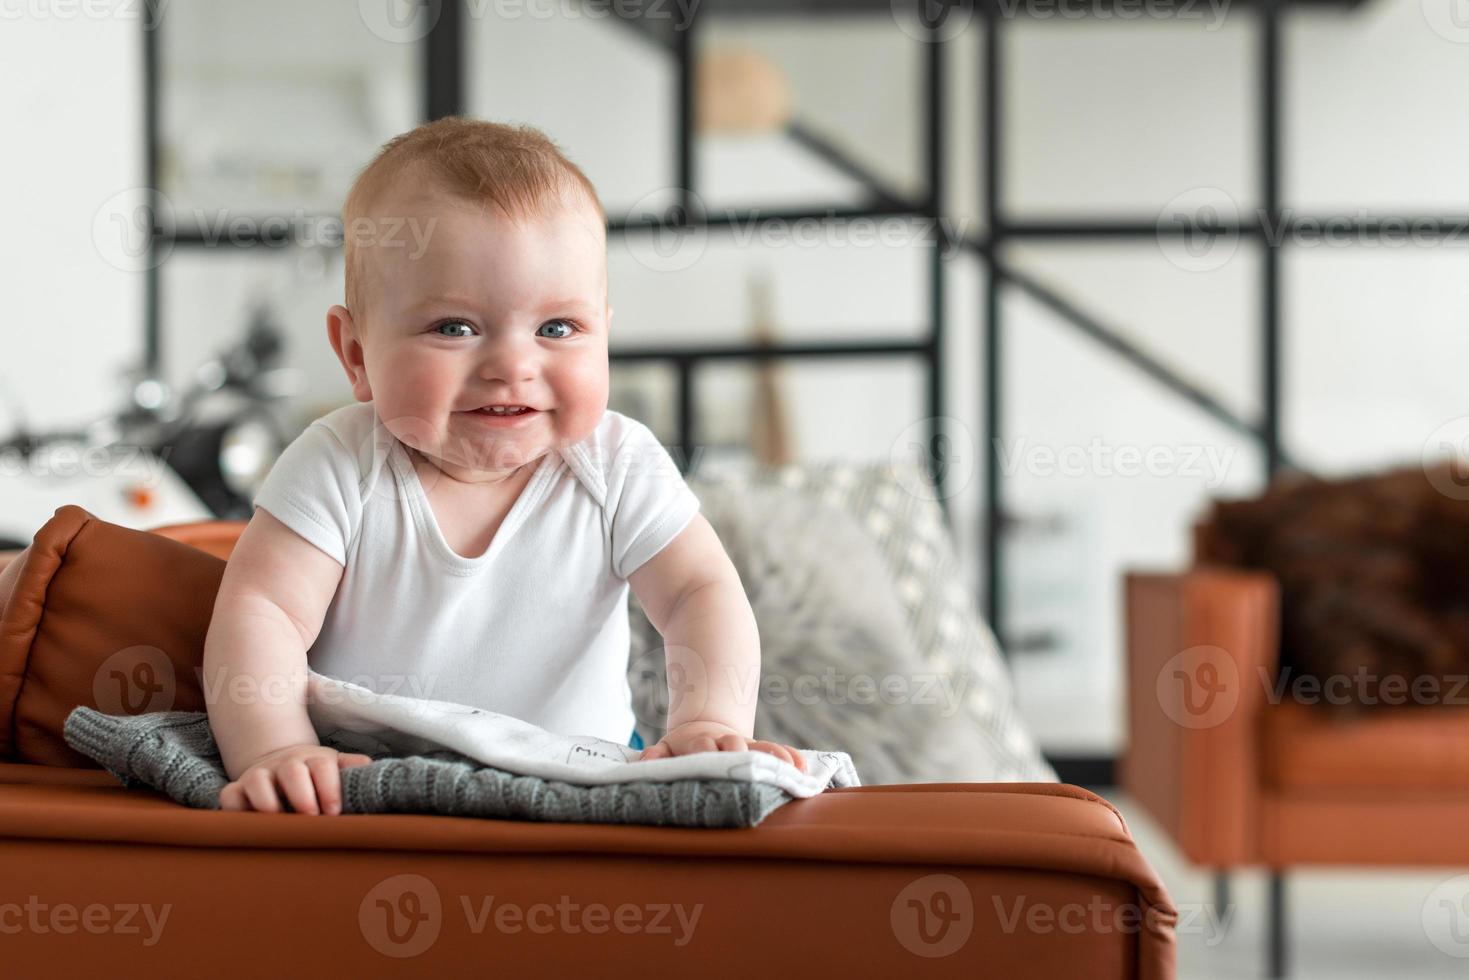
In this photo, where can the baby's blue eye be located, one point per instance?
(455, 323)
(565, 323)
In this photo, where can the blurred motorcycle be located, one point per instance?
(220, 435)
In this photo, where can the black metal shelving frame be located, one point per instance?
(1271, 227)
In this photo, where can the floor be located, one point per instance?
(1342, 925)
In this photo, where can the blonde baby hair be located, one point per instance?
(516, 168)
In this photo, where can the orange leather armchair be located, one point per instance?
(954, 879)
(1240, 776)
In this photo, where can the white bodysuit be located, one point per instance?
(537, 626)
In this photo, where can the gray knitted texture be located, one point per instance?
(174, 753)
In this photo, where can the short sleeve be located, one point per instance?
(314, 488)
(648, 502)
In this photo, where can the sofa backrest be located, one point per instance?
(96, 614)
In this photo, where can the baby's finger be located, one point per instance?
(780, 752)
(328, 780)
(770, 748)
(658, 750)
(259, 788)
(796, 759)
(731, 743)
(295, 779)
(351, 760)
(703, 743)
(232, 797)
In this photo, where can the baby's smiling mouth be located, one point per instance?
(504, 409)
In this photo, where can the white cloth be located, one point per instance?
(388, 723)
(537, 626)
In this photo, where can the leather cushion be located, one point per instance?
(102, 615)
(1424, 749)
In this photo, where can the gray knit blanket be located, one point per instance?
(174, 753)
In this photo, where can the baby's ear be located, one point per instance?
(343, 332)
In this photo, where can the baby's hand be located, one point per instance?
(309, 776)
(709, 736)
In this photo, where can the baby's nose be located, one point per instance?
(508, 360)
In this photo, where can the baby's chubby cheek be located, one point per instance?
(581, 400)
(413, 401)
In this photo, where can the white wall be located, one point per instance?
(71, 141)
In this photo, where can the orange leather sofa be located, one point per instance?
(1240, 776)
(101, 880)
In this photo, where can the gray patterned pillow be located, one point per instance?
(979, 736)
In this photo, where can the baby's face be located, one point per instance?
(490, 313)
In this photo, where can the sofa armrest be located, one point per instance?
(939, 880)
(1202, 648)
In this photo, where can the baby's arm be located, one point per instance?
(693, 596)
(267, 613)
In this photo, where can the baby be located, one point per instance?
(469, 529)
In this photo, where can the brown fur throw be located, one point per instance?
(1374, 576)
